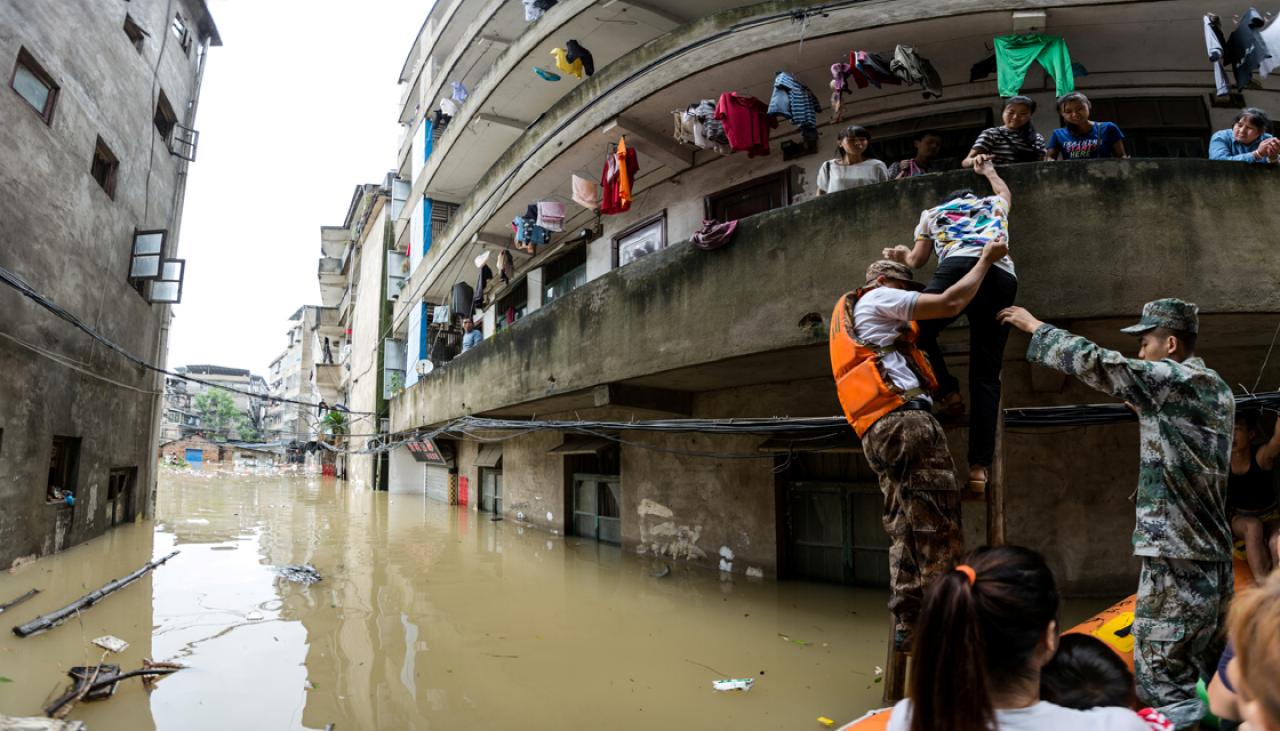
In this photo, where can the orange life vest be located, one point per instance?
(865, 389)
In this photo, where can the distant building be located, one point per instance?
(292, 376)
(182, 415)
(96, 135)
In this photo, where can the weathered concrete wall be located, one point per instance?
(72, 242)
(366, 310)
(685, 307)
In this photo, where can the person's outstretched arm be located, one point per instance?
(1266, 457)
(988, 170)
(1144, 384)
(953, 301)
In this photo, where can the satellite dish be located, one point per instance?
(424, 367)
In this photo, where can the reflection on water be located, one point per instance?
(427, 617)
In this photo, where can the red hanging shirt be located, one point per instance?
(746, 123)
(617, 196)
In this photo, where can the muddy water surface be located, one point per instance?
(428, 617)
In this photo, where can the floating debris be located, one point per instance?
(110, 643)
(37, 723)
(743, 684)
(304, 574)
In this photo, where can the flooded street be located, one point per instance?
(428, 616)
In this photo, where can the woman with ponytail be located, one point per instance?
(985, 630)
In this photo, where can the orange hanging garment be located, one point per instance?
(624, 173)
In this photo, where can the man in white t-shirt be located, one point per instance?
(906, 446)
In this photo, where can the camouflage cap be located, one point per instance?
(892, 270)
(1170, 313)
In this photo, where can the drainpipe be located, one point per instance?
(162, 342)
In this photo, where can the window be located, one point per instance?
(167, 288)
(179, 29)
(63, 460)
(146, 256)
(1159, 126)
(513, 305)
(135, 33)
(640, 240)
(751, 197)
(34, 85)
(104, 168)
(165, 119)
(564, 274)
(894, 141)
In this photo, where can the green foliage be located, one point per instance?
(396, 383)
(246, 430)
(334, 424)
(218, 412)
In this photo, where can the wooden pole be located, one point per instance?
(995, 487)
(9, 605)
(895, 670)
(57, 617)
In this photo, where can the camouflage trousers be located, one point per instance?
(908, 451)
(1178, 632)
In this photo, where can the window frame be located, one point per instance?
(70, 465)
(27, 60)
(164, 112)
(136, 34)
(164, 279)
(137, 281)
(112, 167)
(785, 177)
(618, 241)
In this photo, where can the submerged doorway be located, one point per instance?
(830, 528)
(593, 487)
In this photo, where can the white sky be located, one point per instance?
(298, 107)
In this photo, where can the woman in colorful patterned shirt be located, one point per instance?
(956, 231)
(1082, 138)
(1016, 141)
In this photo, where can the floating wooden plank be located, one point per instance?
(19, 600)
(57, 617)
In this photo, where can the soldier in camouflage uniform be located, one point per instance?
(906, 446)
(1186, 414)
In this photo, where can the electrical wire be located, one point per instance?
(26, 290)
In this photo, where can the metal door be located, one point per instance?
(491, 490)
(834, 533)
(597, 509)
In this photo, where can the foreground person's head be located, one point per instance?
(988, 626)
(1255, 632)
(1085, 673)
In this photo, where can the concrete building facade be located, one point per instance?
(292, 376)
(96, 134)
(353, 279)
(619, 318)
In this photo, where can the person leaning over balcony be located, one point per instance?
(1082, 138)
(883, 383)
(1015, 141)
(1251, 495)
(851, 168)
(1247, 141)
(1185, 417)
(957, 230)
(471, 337)
(928, 144)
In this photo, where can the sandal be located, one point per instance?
(978, 488)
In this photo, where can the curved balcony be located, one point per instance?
(1093, 242)
(740, 49)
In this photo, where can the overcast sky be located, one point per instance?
(298, 107)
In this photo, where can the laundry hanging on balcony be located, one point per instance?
(1214, 44)
(620, 168)
(574, 52)
(534, 9)
(746, 123)
(529, 234)
(1015, 54)
(550, 215)
(793, 100)
(1246, 50)
(916, 70)
(448, 107)
(870, 69)
(460, 92)
(564, 65)
(546, 75)
(585, 193)
(839, 86)
(697, 125)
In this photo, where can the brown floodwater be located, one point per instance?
(428, 617)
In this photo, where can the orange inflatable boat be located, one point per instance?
(1112, 625)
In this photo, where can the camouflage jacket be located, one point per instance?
(1186, 414)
